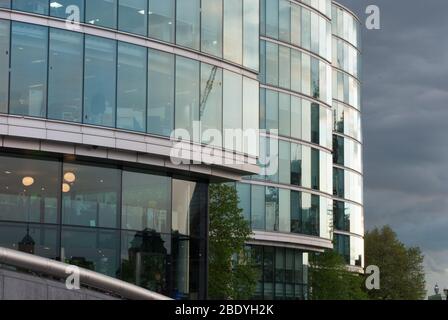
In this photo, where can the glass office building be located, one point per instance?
(92, 90)
(90, 93)
(310, 110)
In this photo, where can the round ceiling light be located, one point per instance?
(28, 181)
(69, 177)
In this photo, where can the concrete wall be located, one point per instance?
(20, 286)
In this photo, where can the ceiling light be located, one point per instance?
(28, 181)
(65, 187)
(69, 177)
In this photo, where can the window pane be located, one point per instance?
(187, 23)
(296, 70)
(33, 239)
(30, 190)
(296, 205)
(296, 164)
(272, 213)
(271, 110)
(251, 107)
(251, 34)
(131, 95)
(133, 16)
(102, 13)
(5, 4)
(272, 63)
(233, 31)
(315, 132)
(211, 33)
(284, 165)
(28, 92)
(160, 92)
(243, 190)
(258, 207)
(4, 64)
(99, 81)
(59, 9)
(146, 202)
(34, 6)
(306, 29)
(285, 20)
(296, 118)
(187, 94)
(65, 75)
(90, 196)
(94, 249)
(185, 206)
(285, 114)
(145, 260)
(284, 67)
(211, 104)
(233, 113)
(315, 165)
(161, 19)
(272, 18)
(285, 211)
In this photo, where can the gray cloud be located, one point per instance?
(405, 116)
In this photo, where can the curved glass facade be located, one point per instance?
(68, 76)
(224, 29)
(148, 67)
(139, 69)
(348, 209)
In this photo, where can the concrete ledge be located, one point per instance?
(108, 143)
(290, 240)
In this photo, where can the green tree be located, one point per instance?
(231, 272)
(329, 279)
(402, 274)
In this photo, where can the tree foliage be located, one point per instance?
(329, 279)
(229, 278)
(401, 269)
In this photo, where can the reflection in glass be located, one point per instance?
(187, 94)
(210, 108)
(133, 16)
(34, 6)
(233, 31)
(4, 64)
(233, 107)
(251, 34)
(131, 87)
(92, 200)
(28, 91)
(258, 208)
(160, 92)
(272, 209)
(94, 249)
(40, 240)
(102, 13)
(211, 27)
(161, 19)
(146, 202)
(145, 259)
(100, 81)
(187, 23)
(65, 75)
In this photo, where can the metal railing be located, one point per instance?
(86, 277)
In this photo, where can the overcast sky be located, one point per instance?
(405, 119)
